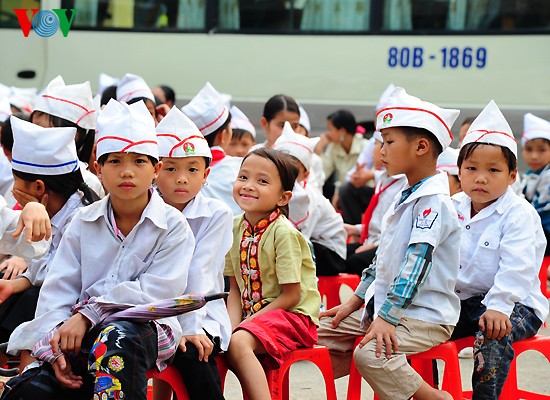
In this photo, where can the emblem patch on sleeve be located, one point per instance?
(426, 218)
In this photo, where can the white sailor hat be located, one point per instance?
(126, 128)
(132, 87)
(378, 136)
(491, 127)
(382, 101)
(534, 128)
(296, 145)
(23, 98)
(43, 151)
(240, 121)
(71, 102)
(207, 110)
(5, 109)
(178, 136)
(447, 161)
(403, 109)
(105, 81)
(304, 119)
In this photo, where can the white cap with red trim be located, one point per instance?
(383, 100)
(23, 98)
(403, 109)
(207, 110)
(534, 128)
(491, 127)
(296, 145)
(304, 119)
(240, 121)
(105, 81)
(5, 109)
(126, 128)
(178, 136)
(43, 151)
(71, 102)
(132, 87)
(447, 161)
(378, 136)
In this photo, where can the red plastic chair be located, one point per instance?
(422, 363)
(543, 277)
(329, 286)
(171, 376)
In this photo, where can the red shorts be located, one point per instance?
(280, 332)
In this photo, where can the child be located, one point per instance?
(415, 306)
(535, 184)
(446, 162)
(273, 302)
(45, 164)
(277, 110)
(209, 113)
(244, 133)
(323, 226)
(501, 251)
(129, 248)
(133, 88)
(185, 156)
(60, 106)
(362, 253)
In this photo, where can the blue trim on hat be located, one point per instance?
(13, 160)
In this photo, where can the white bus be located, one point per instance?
(328, 54)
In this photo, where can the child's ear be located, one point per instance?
(285, 198)
(97, 167)
(513, 175)
(306, 175)
(264, 124)
(206, 173)
(40, 187)
(157, 169)
(422, 146)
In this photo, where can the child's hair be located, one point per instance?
(103, 159)
(145, 100)
(239, 133)
(64, 185)
(6, 138)
(278, 103)
(412, 132)
(169, 93)
(211, 138)
(108, 94)
(343, 119)
(288, 171)
(467, 150)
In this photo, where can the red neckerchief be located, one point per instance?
(217, 156)
(251, 296)
(367, 216)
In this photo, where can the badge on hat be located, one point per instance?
(43, 151)
(178, 136)
(296, 145)
(240, 121)
(126, 128)
(491, 127)
(207, 110)
(71, 102)
(534, 128)
(402, 109)
(132, 87)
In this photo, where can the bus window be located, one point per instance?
(7, 16)
(345, 15)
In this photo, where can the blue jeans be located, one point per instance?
(492, 358)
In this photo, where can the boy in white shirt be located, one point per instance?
(413, 277)
(185, 157)
(501, 252)
(129, 248)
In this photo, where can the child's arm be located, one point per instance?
(7, 288)
(289, 297)
(234, 307)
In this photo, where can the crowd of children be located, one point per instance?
(126, 199)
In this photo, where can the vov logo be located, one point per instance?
(46, 22)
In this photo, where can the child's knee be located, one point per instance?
(365, 358)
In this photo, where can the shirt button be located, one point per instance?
(467, 226)
(460, 267)
(486, 243)
(458, 291)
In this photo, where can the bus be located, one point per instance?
(328, 54)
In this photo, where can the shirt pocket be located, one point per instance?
(487, 254)
(132, 268)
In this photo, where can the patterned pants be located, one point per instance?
(113, 363)
(492, 358)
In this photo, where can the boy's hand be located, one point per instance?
(23, 198)
(65, 375)
(365, 247)
(13, 267)
(35, 220)
(69, 336)
(495, 324)
(203, 344)
(343, 310)
(384, 333)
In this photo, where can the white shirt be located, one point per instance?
(221, 179)
(37, 269)
(212, 224)
(6, 176)
(501, 252)
(323, 224)
(151, 263)
(17, 246)
(426, 216)
(316, 176)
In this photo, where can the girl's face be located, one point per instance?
(484, 176)
(334, 134)
(274, 128)
(258, 189)
(240, 147)
(536, 153)
(181, 179)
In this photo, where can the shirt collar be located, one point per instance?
(60, 217)
(197, 208)
(465, 205)
(438, 184)
(262, 224)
